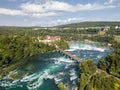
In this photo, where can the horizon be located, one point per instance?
(48, 13)
(63, 24)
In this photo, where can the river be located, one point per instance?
(50, 69)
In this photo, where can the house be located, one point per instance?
(52, 38)
(105, 28)
(117, 27)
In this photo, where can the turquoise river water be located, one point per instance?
(50, 69)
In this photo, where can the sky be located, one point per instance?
(57, 12)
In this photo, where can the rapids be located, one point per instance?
(50, 69)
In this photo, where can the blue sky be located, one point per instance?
(57, 12)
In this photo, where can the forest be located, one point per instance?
(18, 45)
(92, 24)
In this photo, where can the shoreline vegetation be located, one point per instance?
(16, 44)
(98, 80)
(14, 49)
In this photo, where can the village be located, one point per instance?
(49, 39)
(102, 28)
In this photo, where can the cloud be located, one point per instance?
(52, 8)
(43, 14)
(112, 2)
(28, 7)
(61, 6)
(11, 12)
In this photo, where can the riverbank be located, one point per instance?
(14, 49)
(50, 67)
(96, 79)
(107, 77)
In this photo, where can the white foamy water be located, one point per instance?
(7, 83)
(27, 78)
(99, 56)
(38, 79)
(62, 59)
(34, 85)
(73, 75)
(84, 46)
(10, 84)
(57, 80)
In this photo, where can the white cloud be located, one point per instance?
(52, 8)
(11, 12)
(112, 2)
(44, 14)
(61, 6)
(28, 7)
(89, 7)
(48, 6)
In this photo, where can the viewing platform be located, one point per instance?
(71, 56)
(75, 58)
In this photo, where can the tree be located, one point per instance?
(102, 64)
(87, 68)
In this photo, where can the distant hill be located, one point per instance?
(71, 25)
(88, 24)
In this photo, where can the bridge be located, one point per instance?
(71, 56)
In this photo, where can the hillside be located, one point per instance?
(87, 24)
(92, 78)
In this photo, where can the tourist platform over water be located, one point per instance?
(71, 56)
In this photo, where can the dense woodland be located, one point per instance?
(112, 63)
(93, 79)
(16, 45)
(14, 48)
(91, 24)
